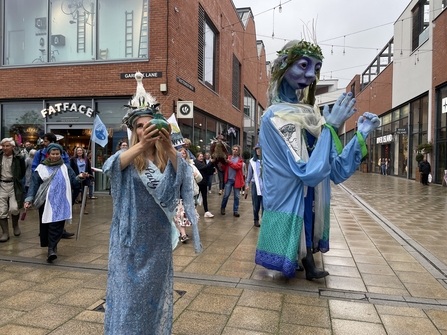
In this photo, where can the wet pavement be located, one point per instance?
(387, 265)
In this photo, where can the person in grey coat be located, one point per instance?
(12, 171)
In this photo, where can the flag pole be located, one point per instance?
(84, 199)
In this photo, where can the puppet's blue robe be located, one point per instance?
(284, 179)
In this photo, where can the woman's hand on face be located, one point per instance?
(165, 138)
(149, 130)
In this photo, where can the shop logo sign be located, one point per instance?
(384, 139)
(67, 107)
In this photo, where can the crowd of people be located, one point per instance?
(47, 179)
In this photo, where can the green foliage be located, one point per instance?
(425, 148)
(30, 117)
(193, 148)
(419, 157)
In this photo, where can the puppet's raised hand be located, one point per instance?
(342, 110)
(367, 123)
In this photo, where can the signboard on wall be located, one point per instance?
(185, 109)
(145, 75)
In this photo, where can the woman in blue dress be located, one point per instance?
(301, 154)
(147, 181)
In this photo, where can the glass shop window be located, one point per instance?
(74, 31)
(23, 122)
(123, 28)
(25, 32)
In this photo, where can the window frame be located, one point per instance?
(205, 22)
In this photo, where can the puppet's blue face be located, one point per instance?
(303, 72)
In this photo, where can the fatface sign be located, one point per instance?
(67, 107)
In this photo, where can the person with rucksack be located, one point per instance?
(42, 154)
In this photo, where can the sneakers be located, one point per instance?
(236, 214)
(220, 192)
(222, 211)
(184, 238)
(256, 224)
(208, 215)
(209, 192)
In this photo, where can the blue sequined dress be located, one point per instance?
(139, 297)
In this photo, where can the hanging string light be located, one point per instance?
(344, 43)
(280, 7)
(273, 30)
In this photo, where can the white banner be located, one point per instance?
(176, 135)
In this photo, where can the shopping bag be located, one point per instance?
(41, 194)
(199, 200)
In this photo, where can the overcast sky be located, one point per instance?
(361, 28)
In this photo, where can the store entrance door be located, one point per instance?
(78, 135)
(72, 137)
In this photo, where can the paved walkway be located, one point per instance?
(387, 264)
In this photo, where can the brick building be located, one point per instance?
(406, 85)
(64, 61)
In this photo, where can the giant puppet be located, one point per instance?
(301, 155)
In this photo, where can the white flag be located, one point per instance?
(99, 132)
(176, 135)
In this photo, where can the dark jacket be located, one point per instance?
(424, 167)
(88, 169)
(74, 165)
(205, 170)
(18, 172)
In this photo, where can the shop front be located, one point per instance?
(389, 144)
(203, 128)
(71, 121)
(440, 165)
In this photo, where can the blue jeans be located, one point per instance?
(256, 201)
(220, 174)
(227, 191)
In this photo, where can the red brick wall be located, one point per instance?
(440, 50)
(173, 51)
(375, 98)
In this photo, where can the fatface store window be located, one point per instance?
(69, 34)
(23, 122)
